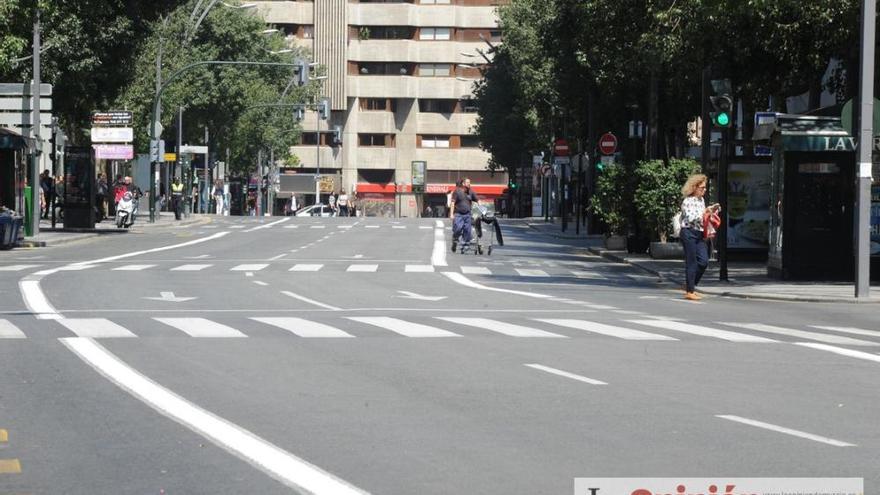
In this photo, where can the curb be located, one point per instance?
(574, 237)
(716, 291)
(54, 242)
(76, 235)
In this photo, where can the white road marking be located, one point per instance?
(362, 268)
(36, 301)
(291, 226)
(438, 224)
(854, 331)
(317, 227)
(95, 328)
(344, 226)
(418, 268)
(260, 282)
(371, 226)
(566, 374)
(404, 328)
(820, 337)
(787, 431)
(133, 268)
(398, 226)
(310, 301)
(842, 351)
(201, 327)
(10, 331)
(598, 306)
(425, 227)
(502, 327)
(591, 275)
(476, 270)
(269, 458)
(305, 267)
(523, 272)
(438, 255)
(236, 226)
(269, 225)
(609, 330)
(190, 268)
(702, 331)
(461, 279)
(275, 258)
(304, 328)
(626, 312)
(16, 268)
(199, 257)
(249, 267)
(76, 267)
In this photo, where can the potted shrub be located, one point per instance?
(611, 203)
(658, 198)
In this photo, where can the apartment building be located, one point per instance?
(400, 82)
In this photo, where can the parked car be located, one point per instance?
(320, 210)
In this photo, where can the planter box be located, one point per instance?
(615, 243)
(667, 250)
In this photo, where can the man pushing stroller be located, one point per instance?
(463, 200)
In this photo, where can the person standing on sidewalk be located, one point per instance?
(176, 197)
(696, 251)
(462, 199)
(101, 191)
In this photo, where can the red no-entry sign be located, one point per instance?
(560, 147)
(608, 144)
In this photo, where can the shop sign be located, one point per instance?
(113, 151)
(101, 119)
(112, 134)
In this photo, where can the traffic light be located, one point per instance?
(324, 108)
(302, 72)
(722, 104)
(511, 184)
(299, 113)
(337, 135)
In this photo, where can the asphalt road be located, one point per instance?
(359, 355)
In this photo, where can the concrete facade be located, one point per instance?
(401, 76)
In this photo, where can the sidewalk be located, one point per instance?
(48, 236)
(747, 280)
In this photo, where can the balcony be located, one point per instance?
(287, 12)
(413, 51)
(374, 122)
(454, 159)
(438, 123)
(376, 157)
(330, 157)
(408, 87)
(404, 14)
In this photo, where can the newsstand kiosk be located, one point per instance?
(812, 184)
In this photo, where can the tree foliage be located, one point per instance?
(657, 196)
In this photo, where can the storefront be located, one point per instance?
(13, 168)
(812, 189)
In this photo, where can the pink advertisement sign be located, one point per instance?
(113, 151)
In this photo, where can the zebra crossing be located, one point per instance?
(636, 330)
(487, 269)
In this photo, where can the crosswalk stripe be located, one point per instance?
(304, 328)
(291, 226)
(398, 226)
(475, 270)
(249, 268)
(426, 227)
(236, 226)
(791, 332)
(305, 267)
(405, 328)
(200, 327)
(583, 274)
(317, 226)
(371, 226)
(344, 226)
(189, 268)
(502, 327)
(702, 331)
(524, 272)
(602, 329)
(854, 331)
(419, 268)
(95, 328)
(10, 331)
(133, 268)
(362, 268)
(16, 268)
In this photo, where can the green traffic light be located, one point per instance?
(722, 119)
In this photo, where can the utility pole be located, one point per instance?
(318, 158)
(865, 148)
(259, 201)
(270, 184)
(35, 122)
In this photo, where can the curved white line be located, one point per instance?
(461, 279)
(271, 459)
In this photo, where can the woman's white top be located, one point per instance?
(693, 208)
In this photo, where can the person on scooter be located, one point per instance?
(463, 200)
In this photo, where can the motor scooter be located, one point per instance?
(126, 210)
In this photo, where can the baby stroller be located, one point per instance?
(482, 215)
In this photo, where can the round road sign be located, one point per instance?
(608, 144)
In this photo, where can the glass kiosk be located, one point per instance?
(812, 209)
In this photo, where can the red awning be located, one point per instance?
(483, 190)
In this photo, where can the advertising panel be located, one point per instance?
(748, 200)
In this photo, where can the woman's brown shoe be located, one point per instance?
(692, 296)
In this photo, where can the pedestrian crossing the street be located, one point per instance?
(659, 331)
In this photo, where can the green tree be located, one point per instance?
(657, 196)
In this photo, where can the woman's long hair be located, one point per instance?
(692, 183)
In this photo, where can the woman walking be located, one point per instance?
(693, 213)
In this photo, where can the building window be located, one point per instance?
(308, 32)
(439, 34)
(435, 141)
(470, 141)
(434, 70)
(469, 106)
(310, 138)
(376, 140)
(432, 105)
(386, 32)
(377, 104)
(384, 69)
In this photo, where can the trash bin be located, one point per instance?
(9, 228)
